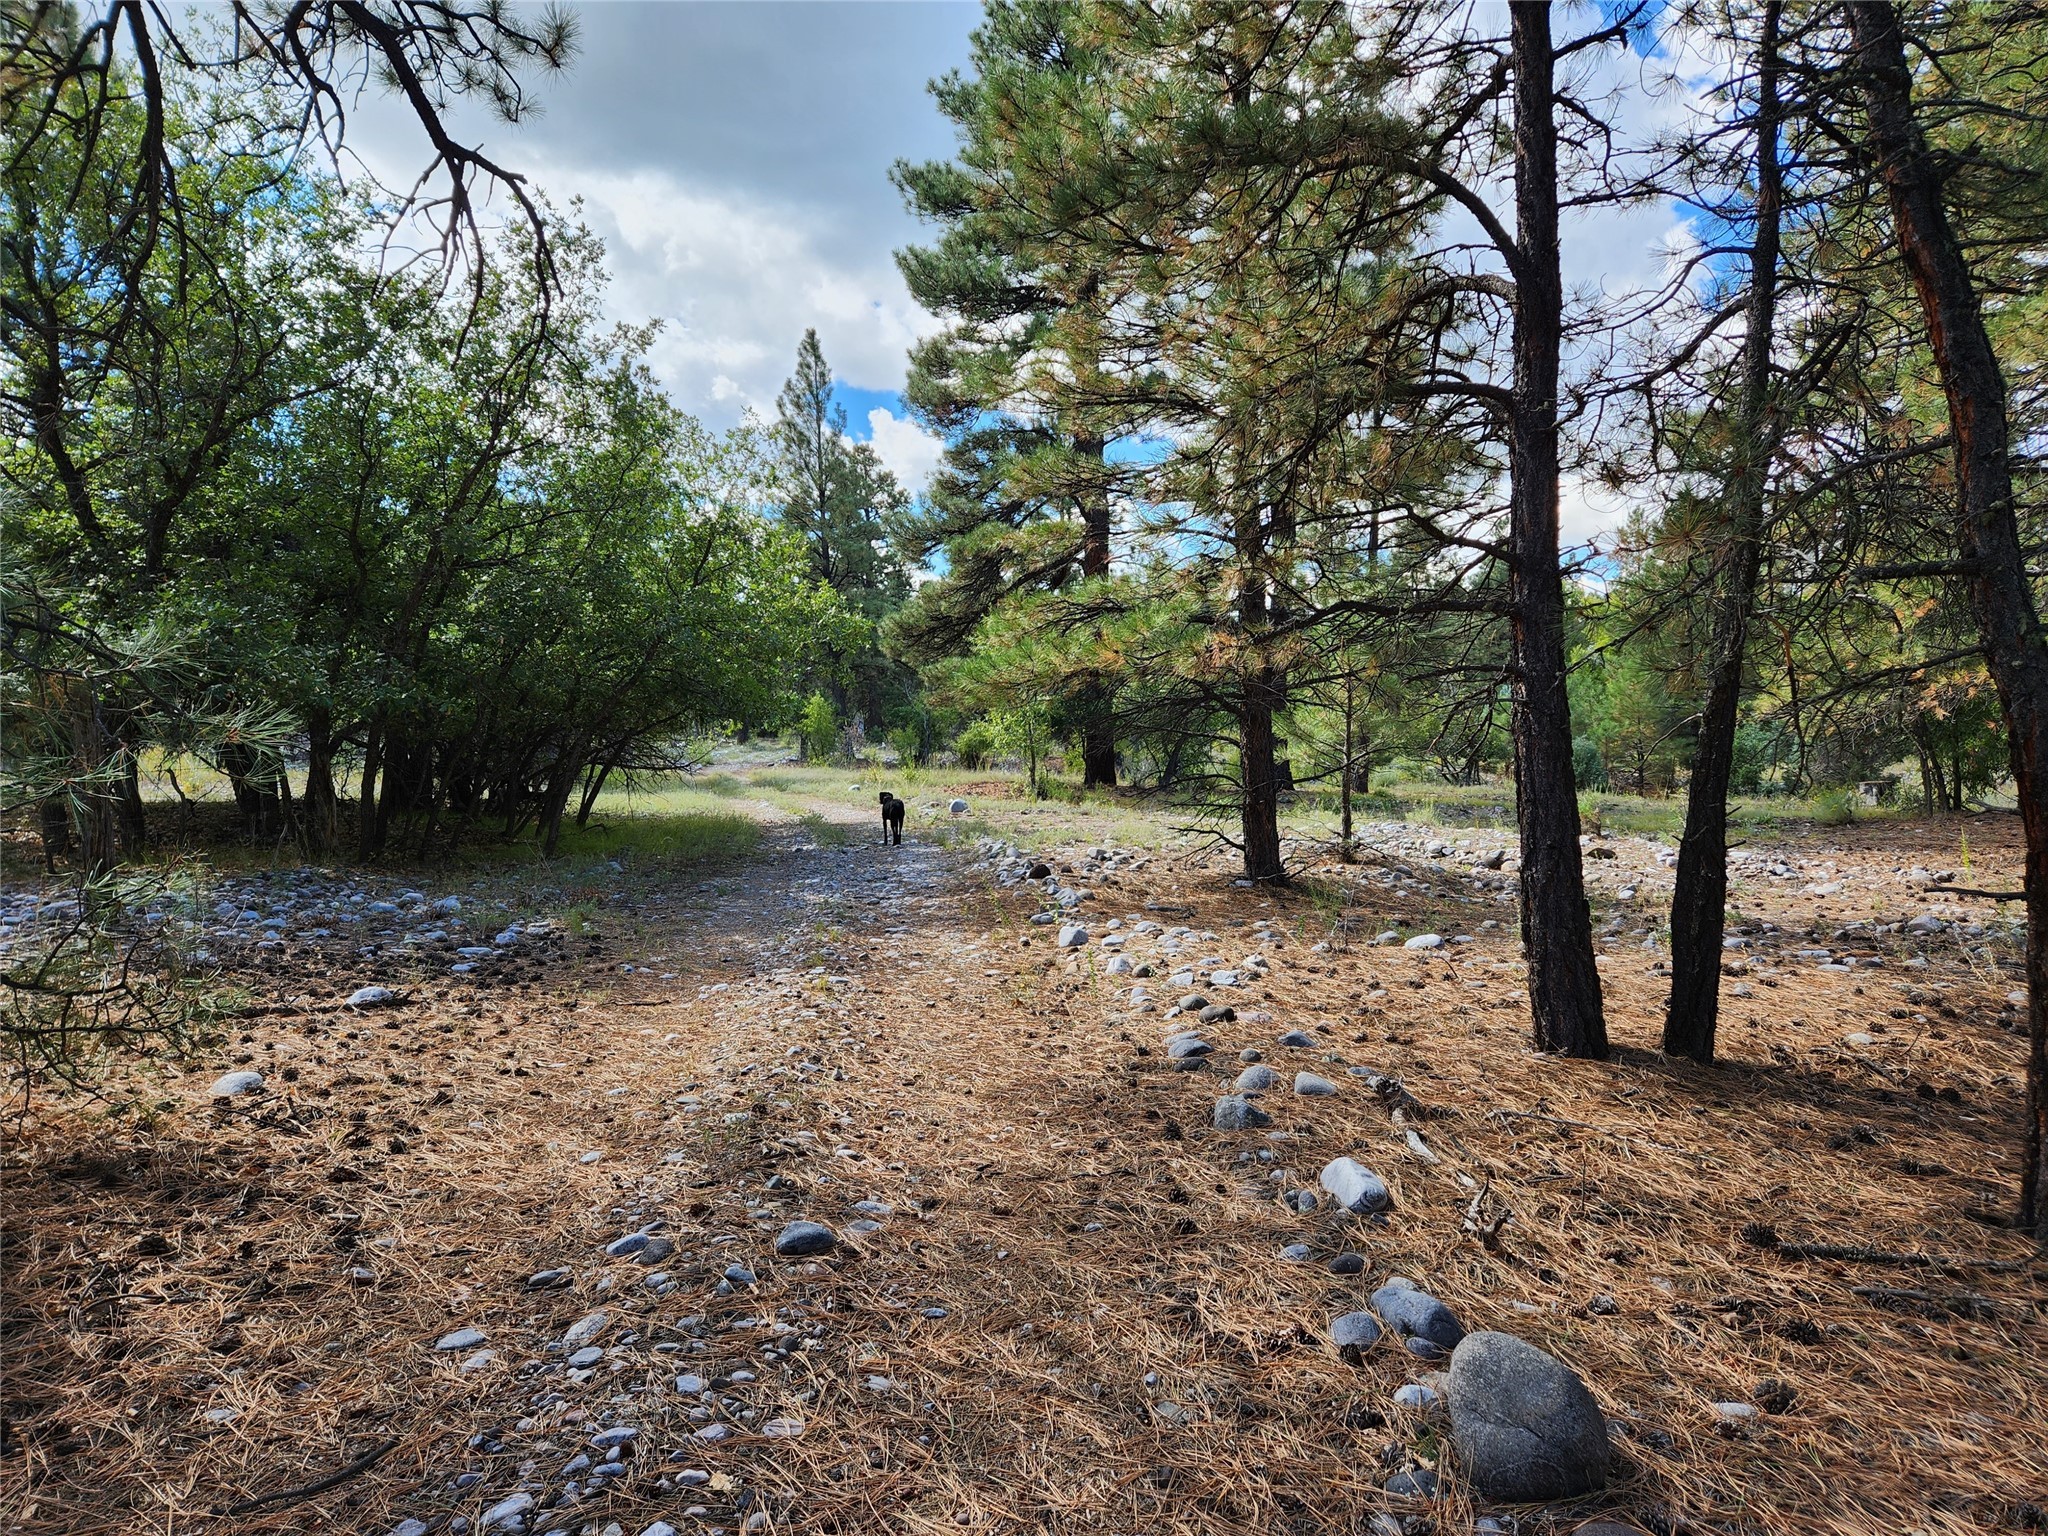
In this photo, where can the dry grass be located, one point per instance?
(995, 1096)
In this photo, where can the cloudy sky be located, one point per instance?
(734, 155)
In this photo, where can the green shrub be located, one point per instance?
(1589, 764)
(975, 745)
(908, 742)
(818, 730)
(1835, 807)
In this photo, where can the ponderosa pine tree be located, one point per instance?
(1991, 558)
(837, 495)
(993, 277)
(1700, 894)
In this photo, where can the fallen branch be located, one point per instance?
(294, 1495)
(1970, 890)
(1926, 1303)
(1758, 1235)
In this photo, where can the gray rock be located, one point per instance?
(1353, 1333)
(625, 1247)
(1524, 1425)
(1072, 936)
(1425, 941)
(585, 1329)
(1236, 1113)
(234, 1084)
(619, 1434)
(1297, 1039)
(1351, 1184)
(1415, 1397)
(1420, 1483)
(1217, 1013)
(1194, 1002)
(1309, 1086)
(957, 807)
(656, 1249)
(507, 1512)
(1183, 1047)
(585, 1357)
(461, 1338)
(410, 1527)
(369, 997)
(1415, 1314)
(1296, 1253)
(802, 1239)
(1348, 1264)
(1256, 1079)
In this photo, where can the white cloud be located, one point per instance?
(1587, 512)
(735, 282)
(908, 451)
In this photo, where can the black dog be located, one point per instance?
(892, 817)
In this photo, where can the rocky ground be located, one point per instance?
(1040, 1183)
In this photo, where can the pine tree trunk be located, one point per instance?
(1557, 929)
(1098, 699)
(1259, 801)
(1345, 842)
(2001, 597)
(1699, 899)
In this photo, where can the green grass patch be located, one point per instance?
(675, 837)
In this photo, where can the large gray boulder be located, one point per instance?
(1524, 1425)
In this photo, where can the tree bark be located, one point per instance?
(591, 791)
(1260, 791)
(2001, 597)
(320, 806)
(134, 824)
(1345, 843)
(1699, 899)
(1098, 699)
(1557, 929)
(369, 832)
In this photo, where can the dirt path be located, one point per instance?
(1059, 1300)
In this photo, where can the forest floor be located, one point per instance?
(1072, 1305)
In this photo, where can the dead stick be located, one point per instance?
(1965, 890)
(1857, 1253)
(293, 1495)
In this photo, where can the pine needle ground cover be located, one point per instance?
(1784, 1279)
